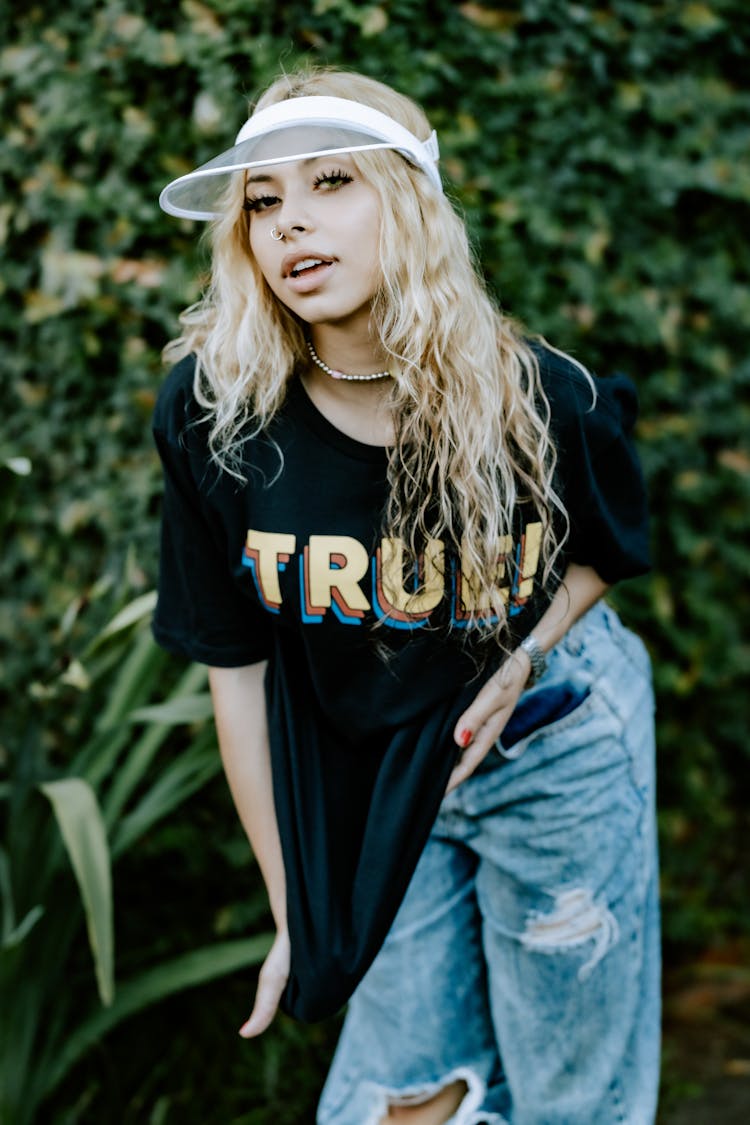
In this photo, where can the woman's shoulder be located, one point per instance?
(603, 406)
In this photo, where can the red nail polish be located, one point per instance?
(465, 738)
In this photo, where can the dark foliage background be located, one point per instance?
(600, 155)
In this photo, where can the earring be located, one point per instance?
(277, 235)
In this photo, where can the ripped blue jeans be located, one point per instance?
(524, 960)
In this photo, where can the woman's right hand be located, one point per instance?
(274, 974)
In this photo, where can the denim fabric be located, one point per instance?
(525, 956)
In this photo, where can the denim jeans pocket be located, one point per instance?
(538, 709)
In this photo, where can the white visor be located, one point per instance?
(296, 129)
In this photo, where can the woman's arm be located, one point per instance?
(242, 729)
(484, 720)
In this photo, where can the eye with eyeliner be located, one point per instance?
(334, 179)
(330, 181)
(260, 202)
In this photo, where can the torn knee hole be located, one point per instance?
(575, 918)
(416, 1107)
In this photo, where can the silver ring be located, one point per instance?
(277, 235)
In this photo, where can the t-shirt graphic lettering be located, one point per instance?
(332, 567)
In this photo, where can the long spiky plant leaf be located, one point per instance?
(177, 782)
(134, 681)
(82, 828)
(133, 768)
(186, 709)
(138, 610)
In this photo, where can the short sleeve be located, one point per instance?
(599, 472)
(200, 613)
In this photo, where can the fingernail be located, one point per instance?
(465, 738)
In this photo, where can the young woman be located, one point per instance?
(389, 519)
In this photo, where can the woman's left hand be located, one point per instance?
(272, 980)
(484, 720)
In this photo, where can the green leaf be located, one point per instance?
(133, 768)
(134, 681)
(196, 967)
(175, 784)
(13, 934)
(81, 825)
(16, 936)
(190, 709)
(137, 610)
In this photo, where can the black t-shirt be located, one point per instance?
(366, 679)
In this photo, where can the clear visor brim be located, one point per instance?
(198, 195)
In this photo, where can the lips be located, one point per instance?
(304, 262)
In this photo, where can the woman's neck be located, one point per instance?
(359, 409)
(352, 352)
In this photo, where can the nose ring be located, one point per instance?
(277, 235)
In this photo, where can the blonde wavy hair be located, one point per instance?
(471, 418)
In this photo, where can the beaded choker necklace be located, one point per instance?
(340, 374)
